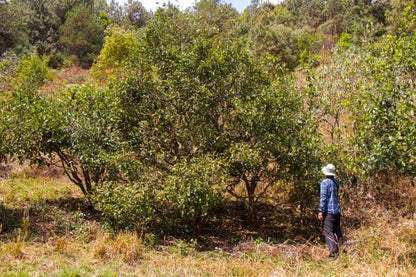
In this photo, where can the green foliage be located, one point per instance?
(183, 107)
(130, 206)
(280, 41)
(43, 27)
(8, 64)
(275, 141)
(191, 109)
(82, 34)
(386, 123)
(193, 189)
(273, 31)
(187, 194)
(372, 95)
(201, 95)
(308, 12)
(105, 18)
(118, 46)
(88, 134)
(24, 109)
(136, 15)
(31, 73)
(42, 22)
(11, 25)
(344, 41)
(76, 130)
(222, 16)
(131, 15)
(394, 15)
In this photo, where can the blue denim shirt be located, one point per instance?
(329, 202)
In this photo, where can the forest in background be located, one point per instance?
(72, 31)
(190, 143)
(186, 110)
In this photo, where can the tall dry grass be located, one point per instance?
(64, 240)
(386, 249)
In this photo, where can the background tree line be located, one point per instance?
(73, 30)
(190, 108)
(64, 30)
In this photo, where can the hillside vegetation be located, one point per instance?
(48, 229)
(191, 142)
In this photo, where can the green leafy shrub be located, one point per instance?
(187, 195)
(194, 189)
(384, 108)
(76, 130)
(130, 206)
(368, 102)
(31, 73)
(24, 110)
(119, 44)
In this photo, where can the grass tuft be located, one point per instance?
(61, 245)
(13, 250)
(126, 247)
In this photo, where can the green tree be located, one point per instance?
(307, 12)
(272, 31)
(386, 124)
(85, 136)
(75, 129)
(136, 14)
(119, 44)
(23, 109)
(11, 25)
(43, 27)
(217, 14)
(368, 102)
(280, 41)
(192, 190)
(82, 34)
(131, 15)
(190, 94)
(274, 140)
(190, 114)
(61, 7)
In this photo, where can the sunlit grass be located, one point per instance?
(107, 257)
(61, 242)
(16, 191)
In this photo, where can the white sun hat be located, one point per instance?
(329, 170)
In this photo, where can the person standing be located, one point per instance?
(330, 211)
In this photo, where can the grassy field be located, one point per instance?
(47, 229)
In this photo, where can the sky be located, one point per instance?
(240, 5)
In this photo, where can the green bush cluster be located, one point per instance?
(186, 196)
(188, 116)
(184, 121)
(367, 100)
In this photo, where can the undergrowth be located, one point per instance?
(48, 229)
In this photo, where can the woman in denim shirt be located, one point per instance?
(330, 211)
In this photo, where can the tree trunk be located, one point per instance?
(251, 204)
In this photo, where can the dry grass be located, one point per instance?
(374, 251)
(125, 247)
(48, 231)
(65, 76)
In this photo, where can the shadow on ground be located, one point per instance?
(46, 219)
(10, 219)
(228, 227)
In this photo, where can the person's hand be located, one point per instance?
(320, 216)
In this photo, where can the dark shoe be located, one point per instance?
(333, 255)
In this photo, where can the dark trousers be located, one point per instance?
(332, 231)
